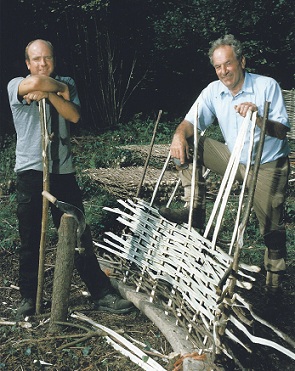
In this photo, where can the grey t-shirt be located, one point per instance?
(26, 120)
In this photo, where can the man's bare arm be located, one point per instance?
(37, 87)
(179, 147)
(273, 128)
(68, 110)
(42, 83)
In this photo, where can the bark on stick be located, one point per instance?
(67, 239)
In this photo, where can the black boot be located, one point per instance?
(113, 303)
(181, 216)
(26, 308)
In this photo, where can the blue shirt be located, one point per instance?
(217, 102)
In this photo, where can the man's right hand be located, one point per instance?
(179, 147)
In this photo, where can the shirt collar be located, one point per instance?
(247, 86)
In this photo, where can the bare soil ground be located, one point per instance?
(27, 344)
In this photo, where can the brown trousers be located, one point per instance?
(269, 196)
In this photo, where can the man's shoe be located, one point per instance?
(113, 303)
(181, 216)
(26, 308)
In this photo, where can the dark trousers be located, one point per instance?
(29, 212)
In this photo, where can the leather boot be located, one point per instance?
(182, 215)
(275, 268)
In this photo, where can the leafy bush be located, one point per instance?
(7, 161)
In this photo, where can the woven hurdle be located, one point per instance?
(188, 277)
(289, 98)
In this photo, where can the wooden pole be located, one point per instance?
(64, 265)
(45, 205)
(242, 227)
(149, 154)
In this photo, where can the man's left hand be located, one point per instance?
(35, 96)
(243, 108)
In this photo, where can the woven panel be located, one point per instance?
(187, 274)
(289, 97)
(162, 252)
(182, 273)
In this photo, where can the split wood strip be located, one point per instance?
(127, 348)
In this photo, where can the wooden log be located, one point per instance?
(67, 241)
(175, 335)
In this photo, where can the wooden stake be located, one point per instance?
(67, 241)
(149, 154)
(242, 227)
(45, 140)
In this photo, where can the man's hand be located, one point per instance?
(179, 147)
(35, 96)
(243, 108)
(273, 128)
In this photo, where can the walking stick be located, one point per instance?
(45, 204)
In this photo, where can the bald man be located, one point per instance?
(62, 110)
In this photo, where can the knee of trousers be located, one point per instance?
(275, 241)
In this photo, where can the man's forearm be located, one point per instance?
(41, 83)
(67, 109)
(273, 128)
(185, 129)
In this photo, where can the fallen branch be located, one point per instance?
(13, 323)
(47, 338)
(81, 339)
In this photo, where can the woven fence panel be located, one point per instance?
(289, 97)
(169, 262)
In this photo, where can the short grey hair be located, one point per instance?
(227, 40)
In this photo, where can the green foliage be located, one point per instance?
(7, 160)
(266, 28)
(290, 210)
(9, 239)
(8, 230)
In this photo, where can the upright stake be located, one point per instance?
(45, 205)
(149, 154)
(191, 206)
(242, 227)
